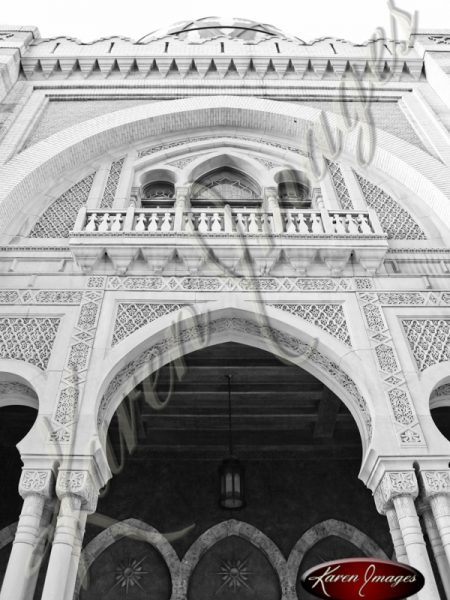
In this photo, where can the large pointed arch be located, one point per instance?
(261, 326)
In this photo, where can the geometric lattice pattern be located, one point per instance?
(59, 218)
(76, 366)
(395, 384)
(329, 317)
(429, 340)
(111, 184)
(395, 221)
(28, 338)
(340, 185)
(132, 316)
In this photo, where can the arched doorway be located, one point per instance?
(298, 443)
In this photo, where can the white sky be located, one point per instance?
(355, 20)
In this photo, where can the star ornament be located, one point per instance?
(234, 574)
(129, 574)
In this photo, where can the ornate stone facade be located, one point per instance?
(185, 192)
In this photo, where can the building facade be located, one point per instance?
(213, 200)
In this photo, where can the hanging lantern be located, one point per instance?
(231, 484)
(231, 472)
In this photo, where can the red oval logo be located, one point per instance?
(362, 578)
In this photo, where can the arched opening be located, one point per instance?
(294, 191)
(440, 408)
(158, 194)
(225, 185)
(18, 411)
(296, 440)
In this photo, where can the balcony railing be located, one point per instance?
(242, 221)
(232, 235)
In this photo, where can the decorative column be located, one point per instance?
(78, 497)
(20, 578)
(181, 207)
(272, 206)
(436, 490)
(424, 509)
(398, 490)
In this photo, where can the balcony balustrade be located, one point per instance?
(302, 234)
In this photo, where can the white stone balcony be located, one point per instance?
(229, 236)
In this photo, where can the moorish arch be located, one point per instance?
(293, 340)
(68, 150)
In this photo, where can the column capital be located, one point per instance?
(79, 484)
(434, 483)
(393, 485)
(270, 192)
(36, 482)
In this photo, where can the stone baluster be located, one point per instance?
(352, 225)
(397, 490)
(424, 509)
(78, 497)
(140, 223)
(436, 490)
(167, 223)
(35, 487)
(92, 223)
(290, 223)
(104, 223)
(364, 224)
(153, 223)
(117, 223)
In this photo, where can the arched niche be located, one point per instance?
(225, 185)
(329, 540)
(294, 189)
(262, 549)
(128, 556)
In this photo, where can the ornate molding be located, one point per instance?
(395, 484)
(429, 340)
(60, 216)
(395, 220)
(109, 193)
(396, 390)
(132, 316)
(221, 284)
(435, 482)
(265, 142)
(340, 186)
(29, 339)
(77, 483)
(40, 297)
(328, 317)
(76, 366)
(36, 481)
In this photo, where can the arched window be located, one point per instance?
(225, 186)
(158, 193)
(293, 190)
